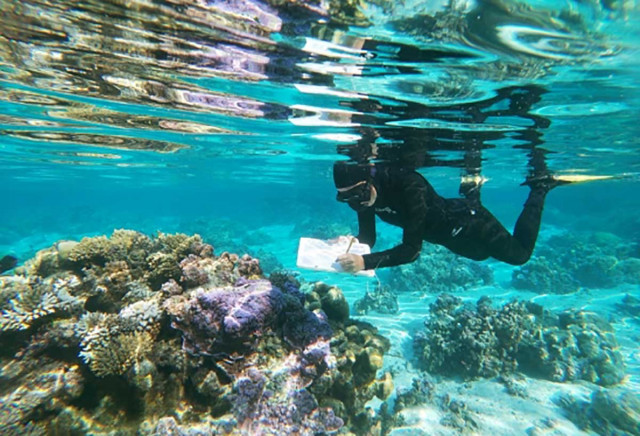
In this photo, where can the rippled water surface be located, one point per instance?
(232, 91)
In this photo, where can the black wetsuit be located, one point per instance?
(406, 199)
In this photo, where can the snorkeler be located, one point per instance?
(7, 262)
(404, 198)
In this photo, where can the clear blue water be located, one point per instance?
(195, 116)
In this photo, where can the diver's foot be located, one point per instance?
(470, 186)
(545, 182)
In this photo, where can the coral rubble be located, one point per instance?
(381, 300)
(132, 334)
(483, 341)
(454, 412)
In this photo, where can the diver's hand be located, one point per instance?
(350, 262)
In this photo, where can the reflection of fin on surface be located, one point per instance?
(550, 181)
(579, 178)
(8, 262)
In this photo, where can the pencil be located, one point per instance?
(350, 244)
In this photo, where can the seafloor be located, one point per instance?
(170, 334)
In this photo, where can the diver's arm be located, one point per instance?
(406, 252)
(414, 191)
(351, 262)
(367, 227)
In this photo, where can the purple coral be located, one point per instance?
(229, 316)
(266, 406)
(237, 315)
(247, 391)
(304, 327)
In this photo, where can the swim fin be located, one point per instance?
(549, 181)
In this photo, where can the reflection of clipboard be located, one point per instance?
(320, 255)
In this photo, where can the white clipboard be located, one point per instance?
(320, 255)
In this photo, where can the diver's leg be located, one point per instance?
(528, 225)
(513, 249)
(479, 235)
(485, 235)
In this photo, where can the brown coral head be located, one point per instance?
(249, 267)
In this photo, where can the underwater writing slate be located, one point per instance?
(320, 254)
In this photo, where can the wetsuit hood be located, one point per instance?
(346, 174)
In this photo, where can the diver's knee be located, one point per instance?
(520, 260)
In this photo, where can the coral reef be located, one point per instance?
(381, 300)
(610, 412)
(157, 335)
(571, 261)
(234, 237)
(486, 342)
(438, 270)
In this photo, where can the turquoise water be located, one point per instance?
(224, 118)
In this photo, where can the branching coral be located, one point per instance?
(95, 251)
(113, 344)
(544, 275)
(142, 316)
(381, 300)
(182, 245)
(25, 301)
(109, 354)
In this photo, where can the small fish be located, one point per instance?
(8, 262)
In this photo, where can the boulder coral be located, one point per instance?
(482, 341)
(157, 335)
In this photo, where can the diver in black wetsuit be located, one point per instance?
(404, 198)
